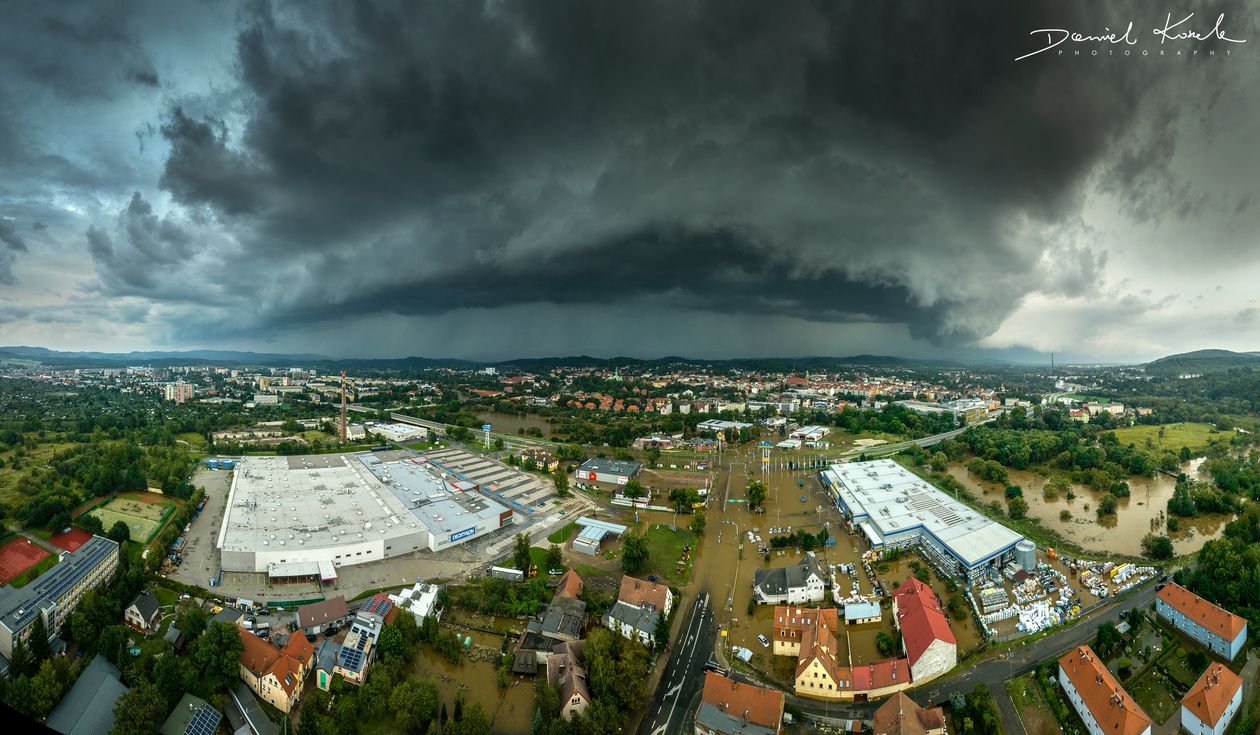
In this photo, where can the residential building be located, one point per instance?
(276, 675)
(644, 594)
(635, 623)
(192, 716)
(566, 670)
(925, 633)
(790, 624)
(88, 708)
(320, 616)
(178, 392)
(325, 663)
(1104, 706)
(55, 594)
(1219, 630)
(143, 614)
(569, 585)
(541, 458)
(359, 648)
(801, 582)
(560, 621)
(421, 601)
(1210, 705)
(901, 715)
(729, 707)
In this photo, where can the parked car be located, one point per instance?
(763, 640)
(330, 632)
(653, 578)
(185, 596)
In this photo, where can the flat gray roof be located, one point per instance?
(420, 488)
(895, 501)
(88, 708)
(309, 502)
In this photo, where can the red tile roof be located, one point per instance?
(262, 658)
(570, 585)
(881, 674)
(759, 706)
(1218, 620)
(790, 622)
(921, 619)
(638, 591)
(1211, 694)
(900, 715)
(1108, 702)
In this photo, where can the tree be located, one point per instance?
(40, 648)
(634, 553)
(120, 532)
(473, 722)
(415, 704)
(141, 711)
(393, 644)
(520, 552)
(1106, 505)
(633, 490)
(886, 644)
(1014, 491)
(939, 462)
(1108, 639)
(91, 524)
(1157, 547)
(1065, 515)
(697, 521)
(555, 557)
(561, 481)
(173, 676)
(217, 655)
(1017, 508)
(191, 622)
(923, 574)
(756, 494)
(682, 498)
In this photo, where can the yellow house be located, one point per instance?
(276, 675)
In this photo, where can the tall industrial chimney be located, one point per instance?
(343, 406)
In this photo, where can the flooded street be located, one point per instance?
(728, 572)
(511, 709)
(1141, 513)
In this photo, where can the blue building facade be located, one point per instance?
(1218, 630)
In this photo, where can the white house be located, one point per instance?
(635, 623)
(1210, 705)
(421, 601)
(1104, 706)
(793, 585)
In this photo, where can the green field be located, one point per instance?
(142, 518)
(1175, 436)
(665, 549)
(37, 457)
(560, 535)
(196, 442)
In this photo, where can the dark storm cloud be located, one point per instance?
(837, 161)
(12, 243)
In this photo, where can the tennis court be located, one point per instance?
(17, 556)
(70, 540)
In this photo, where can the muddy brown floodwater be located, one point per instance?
(1141, 513)
(729, 578)
(511, 709)
(504, 423)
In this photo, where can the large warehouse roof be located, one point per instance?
(442, 508)
(894, 500)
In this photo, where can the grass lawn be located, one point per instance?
(561, 535)
(1156, 696)
(586, 570)
(665, 549)
(1033, 711)
(1185, 434)
(196, 442)
(165, 596)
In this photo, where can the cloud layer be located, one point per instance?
(826, 163)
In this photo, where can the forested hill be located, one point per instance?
(1203, 361)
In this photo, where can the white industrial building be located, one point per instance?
(303, 516)
(398, 432)
(893, 508)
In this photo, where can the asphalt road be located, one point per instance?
(683, 680)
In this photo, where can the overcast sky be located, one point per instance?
(711, 179)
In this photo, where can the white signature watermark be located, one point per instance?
(1171, 31)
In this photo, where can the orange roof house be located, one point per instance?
(901, 715)
(1098, 697)
(728, 707)
(1215, 627)
(1212, 699)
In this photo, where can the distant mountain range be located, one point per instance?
(1203, 361)
(57, 358)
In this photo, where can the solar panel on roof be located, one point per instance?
(204, 722)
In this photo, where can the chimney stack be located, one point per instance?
(343, 407)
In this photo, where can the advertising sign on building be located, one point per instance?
(463, 534)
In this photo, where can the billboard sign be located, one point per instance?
(463, 534)
(485, 427)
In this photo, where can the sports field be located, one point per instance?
(143, 518)
(70, 540)
(17, 556)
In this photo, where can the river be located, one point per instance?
(506, 423)
(1143, 512)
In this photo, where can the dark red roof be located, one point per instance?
(921, 619)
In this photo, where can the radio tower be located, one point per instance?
(343, 407)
